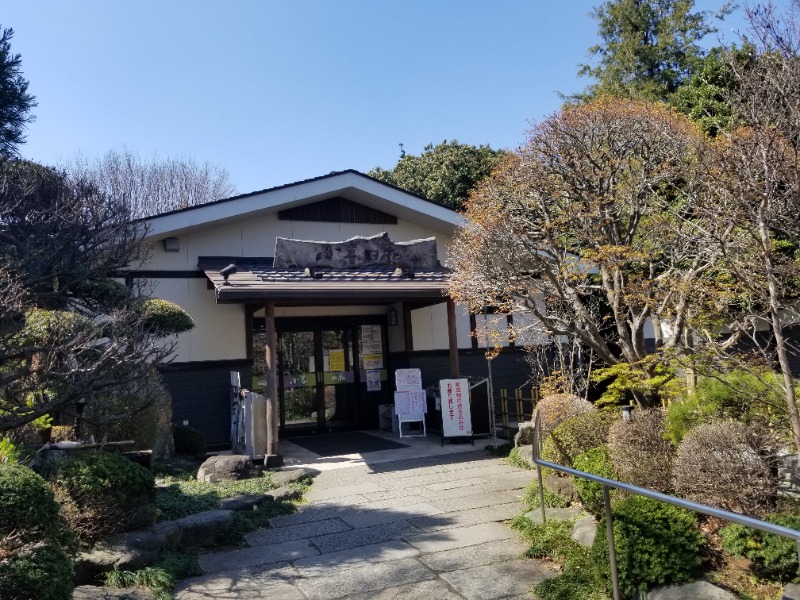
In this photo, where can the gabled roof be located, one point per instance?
(353, 185)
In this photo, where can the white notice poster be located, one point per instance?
(456, 415)
(373, 380)
(371, 342)
(410, 403)
(408, 379)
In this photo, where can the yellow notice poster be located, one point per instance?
(336, 358)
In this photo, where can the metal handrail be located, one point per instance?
(633, 489)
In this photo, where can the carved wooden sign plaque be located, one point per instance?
(357, 252)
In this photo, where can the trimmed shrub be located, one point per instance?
(640, 454)
(656, 543)
(36, 572)
(596, 461)
(723, 464)
(34, 551)
(102, 494)
(27, 505)
(188, 441)
(773, 556)
(164, 317)
(576, 435)
(557, 408)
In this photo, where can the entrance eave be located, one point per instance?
(298, 287)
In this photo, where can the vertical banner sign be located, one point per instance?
(456, 414)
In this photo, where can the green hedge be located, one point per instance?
(773, 556)
(656, 544)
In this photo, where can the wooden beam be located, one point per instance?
(452, 338)
(271, 375)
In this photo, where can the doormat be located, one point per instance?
(336, 444)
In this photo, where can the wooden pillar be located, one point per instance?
(271, 390)
(452, 338)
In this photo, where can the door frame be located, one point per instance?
(366, 402)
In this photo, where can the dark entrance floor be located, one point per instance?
(353, 442)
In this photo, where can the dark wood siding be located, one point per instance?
(201, 394)
(337, 210)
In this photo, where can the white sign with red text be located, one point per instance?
(456, 415)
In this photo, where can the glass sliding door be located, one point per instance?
(332, 374)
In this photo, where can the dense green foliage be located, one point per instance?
(103, 493)
(551, 499)
(43, 572)
(648, 48)
(656, 543)
(15, 101)
(35, 552)
(165, 317)
(552, 540)
(445, 173)
(596, 461)
(773, 556)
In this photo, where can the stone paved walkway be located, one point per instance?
(428, 528)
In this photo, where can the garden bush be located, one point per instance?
(687, 413)
(35, 571)
(656, 543)
(576, 435)
(640, 454)
(557, 408)
(188, 441)
(727, 466)
(596, 461)
(773, 556)
(165, 317)
(103, 493)
(34, 549)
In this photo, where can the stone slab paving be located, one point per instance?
(427, 528)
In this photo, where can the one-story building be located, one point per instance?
(331, 284)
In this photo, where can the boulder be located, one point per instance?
(524, 435)
(791, 592)
(584, 531)
(287, 476)
(227, 466)
(244, 501)
(285, 494)
(204, 528)
(562, 486)
(93, 592)
(690, 591)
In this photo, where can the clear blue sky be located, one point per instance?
(276, 92)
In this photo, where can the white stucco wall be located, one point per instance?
(256, 237)
(429, 327)
(219, 332)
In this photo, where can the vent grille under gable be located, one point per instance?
(337, 210)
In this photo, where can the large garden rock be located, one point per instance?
(562, 486)
(791, 592)
(690, 591)
(204, 528)
(584, 531)
(227, 466)
(524, 436)
(93, 592)
(138, 549)
(288, 476)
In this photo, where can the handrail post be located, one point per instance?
(536, 454)
(541, 493)
(612, 553)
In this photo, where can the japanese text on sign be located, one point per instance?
(456, 415)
